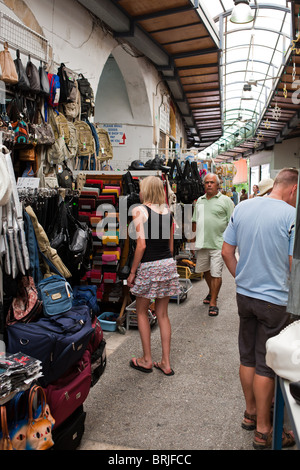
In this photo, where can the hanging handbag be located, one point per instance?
(44, 81)
(8, 68)
(33, 76)
(21, 134)
(65, 177)
(23, 81)
(44, 132)
(175, 177)
(283, 352)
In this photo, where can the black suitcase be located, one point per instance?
(69, 434)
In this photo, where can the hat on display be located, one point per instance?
(265, 186)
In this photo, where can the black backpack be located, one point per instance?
(67, 85)
(87, 97)
(191, 186)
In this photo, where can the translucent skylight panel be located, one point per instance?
(255, 53)
(235, 77)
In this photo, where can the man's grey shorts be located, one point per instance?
(259, 321)
(209, 260)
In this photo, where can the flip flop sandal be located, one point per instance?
(213, 311)
(140, 368)
(207, 299)
(249, 425)
(159, 368)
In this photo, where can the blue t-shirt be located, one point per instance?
(263, 230)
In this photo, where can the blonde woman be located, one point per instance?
(153, 272)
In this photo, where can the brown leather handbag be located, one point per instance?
(9, 72)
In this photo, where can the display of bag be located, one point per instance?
(27, 155)
(175, 177)
(65, 176)
(69, 434)
(87, 97)
(23, 81)
(54, 90)
(8, 72)
(44, 133)
(70, 391)
(21, 134)
(67, 80)
(26, 306)
(33, 76)
(58, 152)
(72, 240)
(86, 295)
(72, 110)
(39, 429)
(190, 187)
(283, 352)
(86, 143)
(58, 341)
(44, 81)
(5, 441)
(59, 125)
(105, 147)
(56, 294)
(47, 176)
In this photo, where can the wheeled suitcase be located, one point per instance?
(69, 392)
(69, 434)
(98, 362)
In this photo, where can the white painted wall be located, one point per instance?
(84, 45)
(286, 154)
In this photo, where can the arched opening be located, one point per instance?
(123, 106)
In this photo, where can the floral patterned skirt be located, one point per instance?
(156, 279)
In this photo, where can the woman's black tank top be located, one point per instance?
(157, 234)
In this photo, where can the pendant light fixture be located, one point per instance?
(241, 12)
(247, 92)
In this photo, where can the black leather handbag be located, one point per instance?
(23, 83)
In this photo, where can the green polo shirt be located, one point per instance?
(212, 217)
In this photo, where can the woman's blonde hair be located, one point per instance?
(152, 190)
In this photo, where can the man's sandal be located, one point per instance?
(264, 441)
(213, 311)
(249, 422)
(207, 299)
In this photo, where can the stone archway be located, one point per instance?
(122, 98)
(122, 82)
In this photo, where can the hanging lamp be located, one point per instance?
(241, 12)
(247, 92)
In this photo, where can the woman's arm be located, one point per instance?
(138, 220)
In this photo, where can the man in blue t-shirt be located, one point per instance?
(262, 231)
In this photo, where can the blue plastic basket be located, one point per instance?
(108, 325)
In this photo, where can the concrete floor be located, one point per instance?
(199, 408)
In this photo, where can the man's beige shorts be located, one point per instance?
(209, 260)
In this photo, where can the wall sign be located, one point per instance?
(117, 134)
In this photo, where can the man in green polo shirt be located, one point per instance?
(210, 218)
